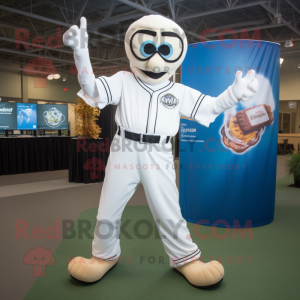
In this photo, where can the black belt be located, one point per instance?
(142, 138)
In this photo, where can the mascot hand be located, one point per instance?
(245, 88)
(77, 38)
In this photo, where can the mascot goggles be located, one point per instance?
(147, 49)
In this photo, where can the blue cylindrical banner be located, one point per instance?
(228, 171)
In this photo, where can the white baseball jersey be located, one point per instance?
(156, 109)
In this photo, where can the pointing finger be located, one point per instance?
(238, 76)
(250, 75)
(82, 23)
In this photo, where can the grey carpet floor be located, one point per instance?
(40, 200)
(32, 177)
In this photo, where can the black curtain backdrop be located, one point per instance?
(87, 160)
(107, 122)
(26, 155)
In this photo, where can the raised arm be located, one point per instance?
(204, 109)
(77, 39)
(97, 92)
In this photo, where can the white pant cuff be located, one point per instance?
(175, 263)
(107, 258)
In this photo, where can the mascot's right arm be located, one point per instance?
(77, 39)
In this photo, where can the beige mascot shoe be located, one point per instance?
(89, 270)
(202, 275)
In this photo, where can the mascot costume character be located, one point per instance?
(149, 107)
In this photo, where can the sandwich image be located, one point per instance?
(243, 130)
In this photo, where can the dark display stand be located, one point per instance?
(34, 154)
(87, 160)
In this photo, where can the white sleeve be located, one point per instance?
(203, 108)
(109, 91)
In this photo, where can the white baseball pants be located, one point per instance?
(152, 166)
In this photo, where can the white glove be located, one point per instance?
(77, 39)
(245, 88)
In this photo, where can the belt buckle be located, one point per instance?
(141, 139)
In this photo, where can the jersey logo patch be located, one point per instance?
(169, 101)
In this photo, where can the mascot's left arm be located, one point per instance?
(204, 109)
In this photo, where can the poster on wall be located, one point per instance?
(8, 116)
(52, 116)
(26, 116)
(228, 171)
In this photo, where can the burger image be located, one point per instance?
(244, 129)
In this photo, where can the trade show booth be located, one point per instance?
(35, 137)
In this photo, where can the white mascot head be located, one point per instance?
(155, 47)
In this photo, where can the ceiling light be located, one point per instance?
(288, 44)
(50, 77)
(56, 76)
(292, 104)
(278, 18)
(64, 78)
(281, 61)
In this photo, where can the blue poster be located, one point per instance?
(228, 171)
(8, 116)
(26, 116)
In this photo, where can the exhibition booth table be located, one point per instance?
(33, 154)
(87, 160)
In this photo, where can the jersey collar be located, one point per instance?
(152, 88)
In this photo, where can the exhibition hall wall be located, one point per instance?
(18, 87)
(10, 82)
(290, 78)
(289, 105)
(15, 85)
(289, 116)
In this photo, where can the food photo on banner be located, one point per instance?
(228, 170)
(52, 116)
